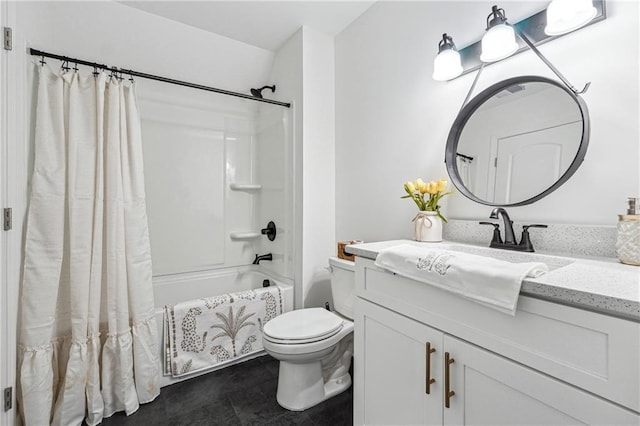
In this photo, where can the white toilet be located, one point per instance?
(314, 345)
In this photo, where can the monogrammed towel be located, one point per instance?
(492, 282)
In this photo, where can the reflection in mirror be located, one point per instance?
(517, 141)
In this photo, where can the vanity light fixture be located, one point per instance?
(447, 64)
(564, 16)
(532, 31)
(499, 41)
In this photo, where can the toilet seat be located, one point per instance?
(299, 352)
(303, 326)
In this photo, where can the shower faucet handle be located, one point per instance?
(269, 231)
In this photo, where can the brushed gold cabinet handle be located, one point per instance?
(448, 393)
(430, 380)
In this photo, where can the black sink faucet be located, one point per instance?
(509, 237)
(267, 256)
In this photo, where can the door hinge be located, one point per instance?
(495, 162)
(7, 38)
(7, 219)
(8, 399)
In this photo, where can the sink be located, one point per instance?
(553, 262)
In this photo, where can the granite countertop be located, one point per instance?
(598, 284)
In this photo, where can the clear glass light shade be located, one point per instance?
(498, 43)
(564, 16)
(447, 65)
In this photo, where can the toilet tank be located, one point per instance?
(343, 288)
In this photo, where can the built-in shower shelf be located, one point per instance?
(244, 235)
(245, 186)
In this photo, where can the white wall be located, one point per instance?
(318, 166)
(116, 34)
(392, 118)
(304, 73)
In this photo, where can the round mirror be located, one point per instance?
(517, 141)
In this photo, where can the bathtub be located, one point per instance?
(172, 289)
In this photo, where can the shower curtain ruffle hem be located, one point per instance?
(85, 380)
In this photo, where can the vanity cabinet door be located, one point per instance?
(492, 390)
(390, 366)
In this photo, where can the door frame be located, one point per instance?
(13, 171)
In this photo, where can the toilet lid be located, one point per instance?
(303, 325)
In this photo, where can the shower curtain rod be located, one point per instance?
(466, 157)
(133, 73)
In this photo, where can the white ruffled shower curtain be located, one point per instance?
(88, 336)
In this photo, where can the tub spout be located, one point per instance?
(267, 256)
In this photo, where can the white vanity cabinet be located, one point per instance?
(493, 390)
(394, 369)
(550, 364)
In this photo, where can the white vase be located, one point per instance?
(427, 227)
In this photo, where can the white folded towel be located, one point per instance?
(492, 282)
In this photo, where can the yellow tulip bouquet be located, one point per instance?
(418, 189)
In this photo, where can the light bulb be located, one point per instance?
(447, 65)
(564, 16)
(498, 43)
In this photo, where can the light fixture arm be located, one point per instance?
(542, 58)
(473, 86)
(547, 63)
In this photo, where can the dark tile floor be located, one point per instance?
(243, 394)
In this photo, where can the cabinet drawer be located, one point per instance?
(595, 352)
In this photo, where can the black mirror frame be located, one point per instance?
(476, 102)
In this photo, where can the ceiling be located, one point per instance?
(265, 24)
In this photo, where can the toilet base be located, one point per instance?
(301, 386)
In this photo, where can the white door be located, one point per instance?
(527, 164)
(492, 390)
(391, 362)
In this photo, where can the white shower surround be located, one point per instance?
(215, 167)
(172, 289)
(211, 158)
